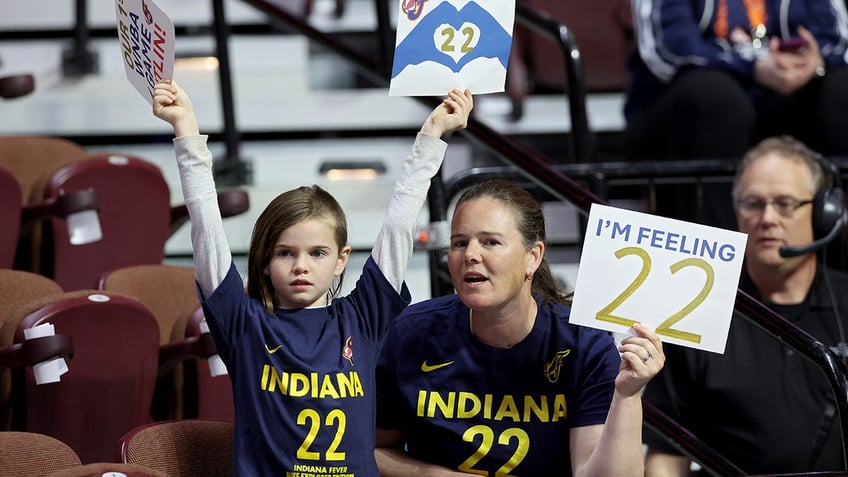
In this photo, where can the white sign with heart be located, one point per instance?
(446, 44)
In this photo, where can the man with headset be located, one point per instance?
(760, 404)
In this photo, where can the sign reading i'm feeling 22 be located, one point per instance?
(447, 44)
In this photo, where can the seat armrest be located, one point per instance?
(61, 206)
(36, 350)
(192, 347)
(231, 203)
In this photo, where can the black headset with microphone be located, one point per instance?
(829, 215)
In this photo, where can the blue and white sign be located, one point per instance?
(677, 277)
(447, 44)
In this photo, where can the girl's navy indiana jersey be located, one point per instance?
(486, 410)
(304, 379)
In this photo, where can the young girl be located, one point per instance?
(302, 363)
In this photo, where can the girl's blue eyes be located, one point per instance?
(316, 253)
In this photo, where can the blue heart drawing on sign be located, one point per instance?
(418, 46)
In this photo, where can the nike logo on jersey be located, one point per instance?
(274, 350)
(432, 367)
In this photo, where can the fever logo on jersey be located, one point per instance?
(555, 365)
(347, 350)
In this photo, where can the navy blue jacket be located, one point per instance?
(675, 35)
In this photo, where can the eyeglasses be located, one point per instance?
(755, 206)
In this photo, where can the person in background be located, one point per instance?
(494, 380)
(300, 358)
(760, 404)
(711, 78)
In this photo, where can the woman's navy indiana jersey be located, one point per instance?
(486, 410)
(304, 379)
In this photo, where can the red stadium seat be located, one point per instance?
(109, 386)
(18, 289)
(603, 30)
(134, 216)
(10, 217)
(185, 387)
(130, 194)
(213, 395)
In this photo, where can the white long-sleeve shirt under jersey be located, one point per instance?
(392, 248)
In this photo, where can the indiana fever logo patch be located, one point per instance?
(553, 367)
(347, 350)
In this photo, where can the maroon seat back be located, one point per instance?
(603, 30)
(31, 160)
(169, 291)
(134, 215)
(10, 217)
(109, 386)
(19, 290)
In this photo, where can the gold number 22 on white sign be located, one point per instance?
(664, 328)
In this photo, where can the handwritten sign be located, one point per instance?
(447, 44)
(146, 35)
(677, 277)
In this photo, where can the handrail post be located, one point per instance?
(78, 60)
(385, 39)
(231, 170)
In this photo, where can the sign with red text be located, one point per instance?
(146, 35)
(677, 277)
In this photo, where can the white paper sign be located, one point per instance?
(447, 44)
(147, 37)
(677, 277)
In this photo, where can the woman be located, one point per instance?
(494, 380)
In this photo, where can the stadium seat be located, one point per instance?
(10, 217)
(170, 293)
(30, 453)
(134, 216)
(130, 195)
(181, 448)
(108, 469)
(109, 386)
(211, 396)
(18, 289)
(185, 385)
